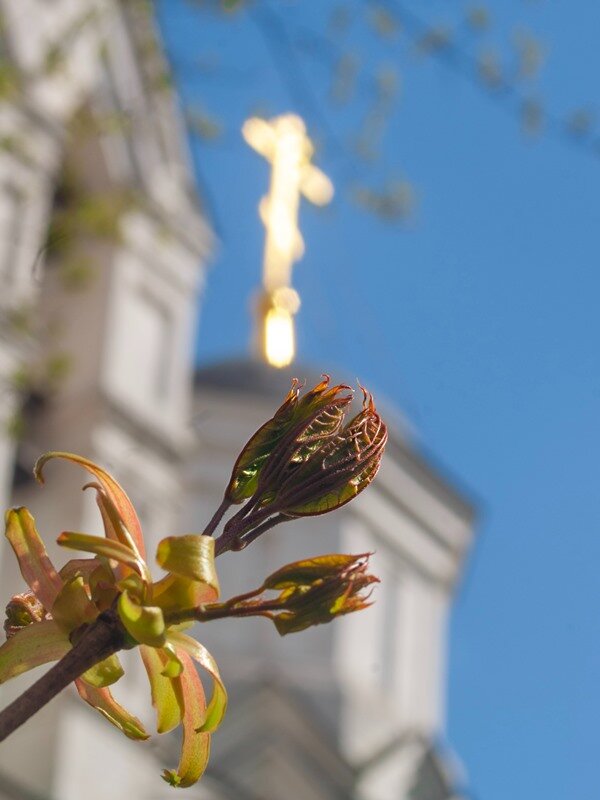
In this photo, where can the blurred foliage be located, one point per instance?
(580, 122)
(383, 22)
(202, 124)
(479, 18)
(54, 60)
(504, 64)
(394, 202)
(33, 383)
(79, 213)
(16, 147)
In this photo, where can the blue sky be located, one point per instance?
(479, 318)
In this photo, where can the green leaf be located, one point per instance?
(286, 622)
(103, 701)
(134, 585)
(196, 745)
(105, 673)
(73, 606)
(167, 696)
(36, 568)
(102, 586)
(328, 501)
(173, 666)
(106, 548)
(305, 572)
(79, 566)
(114, 491)
(218, 702)
(173, 593)
(32, 646)
(190, 556)
(145, 624)
(246, 470)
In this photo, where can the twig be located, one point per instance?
(104, 637)
(217, 517)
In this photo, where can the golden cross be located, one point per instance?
(284, 142)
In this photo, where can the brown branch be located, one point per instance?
(104, 637)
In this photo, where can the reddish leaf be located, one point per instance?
(111, 487)
(310, 569)
(196, 745)
(36, 568)
(103, 701)
(218, 702)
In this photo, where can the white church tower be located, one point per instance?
(102, 257)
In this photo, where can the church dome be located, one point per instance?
(253, 376)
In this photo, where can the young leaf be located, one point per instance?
(172, 666)
(73, 606)
(36, 568)
(218, 702)
(114, 527)
(190, 556)
(36, 644)
(339, 470)
(105, 673)
(299, 426)
(145, 624)
(196, 745)
(309, 570)
(22, 610)
(105, 548)
(110, 486)
(173, 593)
(79, 566)
(103, 701)
(167, 696)
(246, 470)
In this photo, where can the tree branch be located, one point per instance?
(102, 638)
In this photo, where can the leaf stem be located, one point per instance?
(238, 526)
(254, 533)
(217, 517)
(101, 639)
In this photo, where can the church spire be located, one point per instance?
(284, 142)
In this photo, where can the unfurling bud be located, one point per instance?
(298, 427)
(310, 592)
(303, 462)
(22, 610)
(341, 468)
